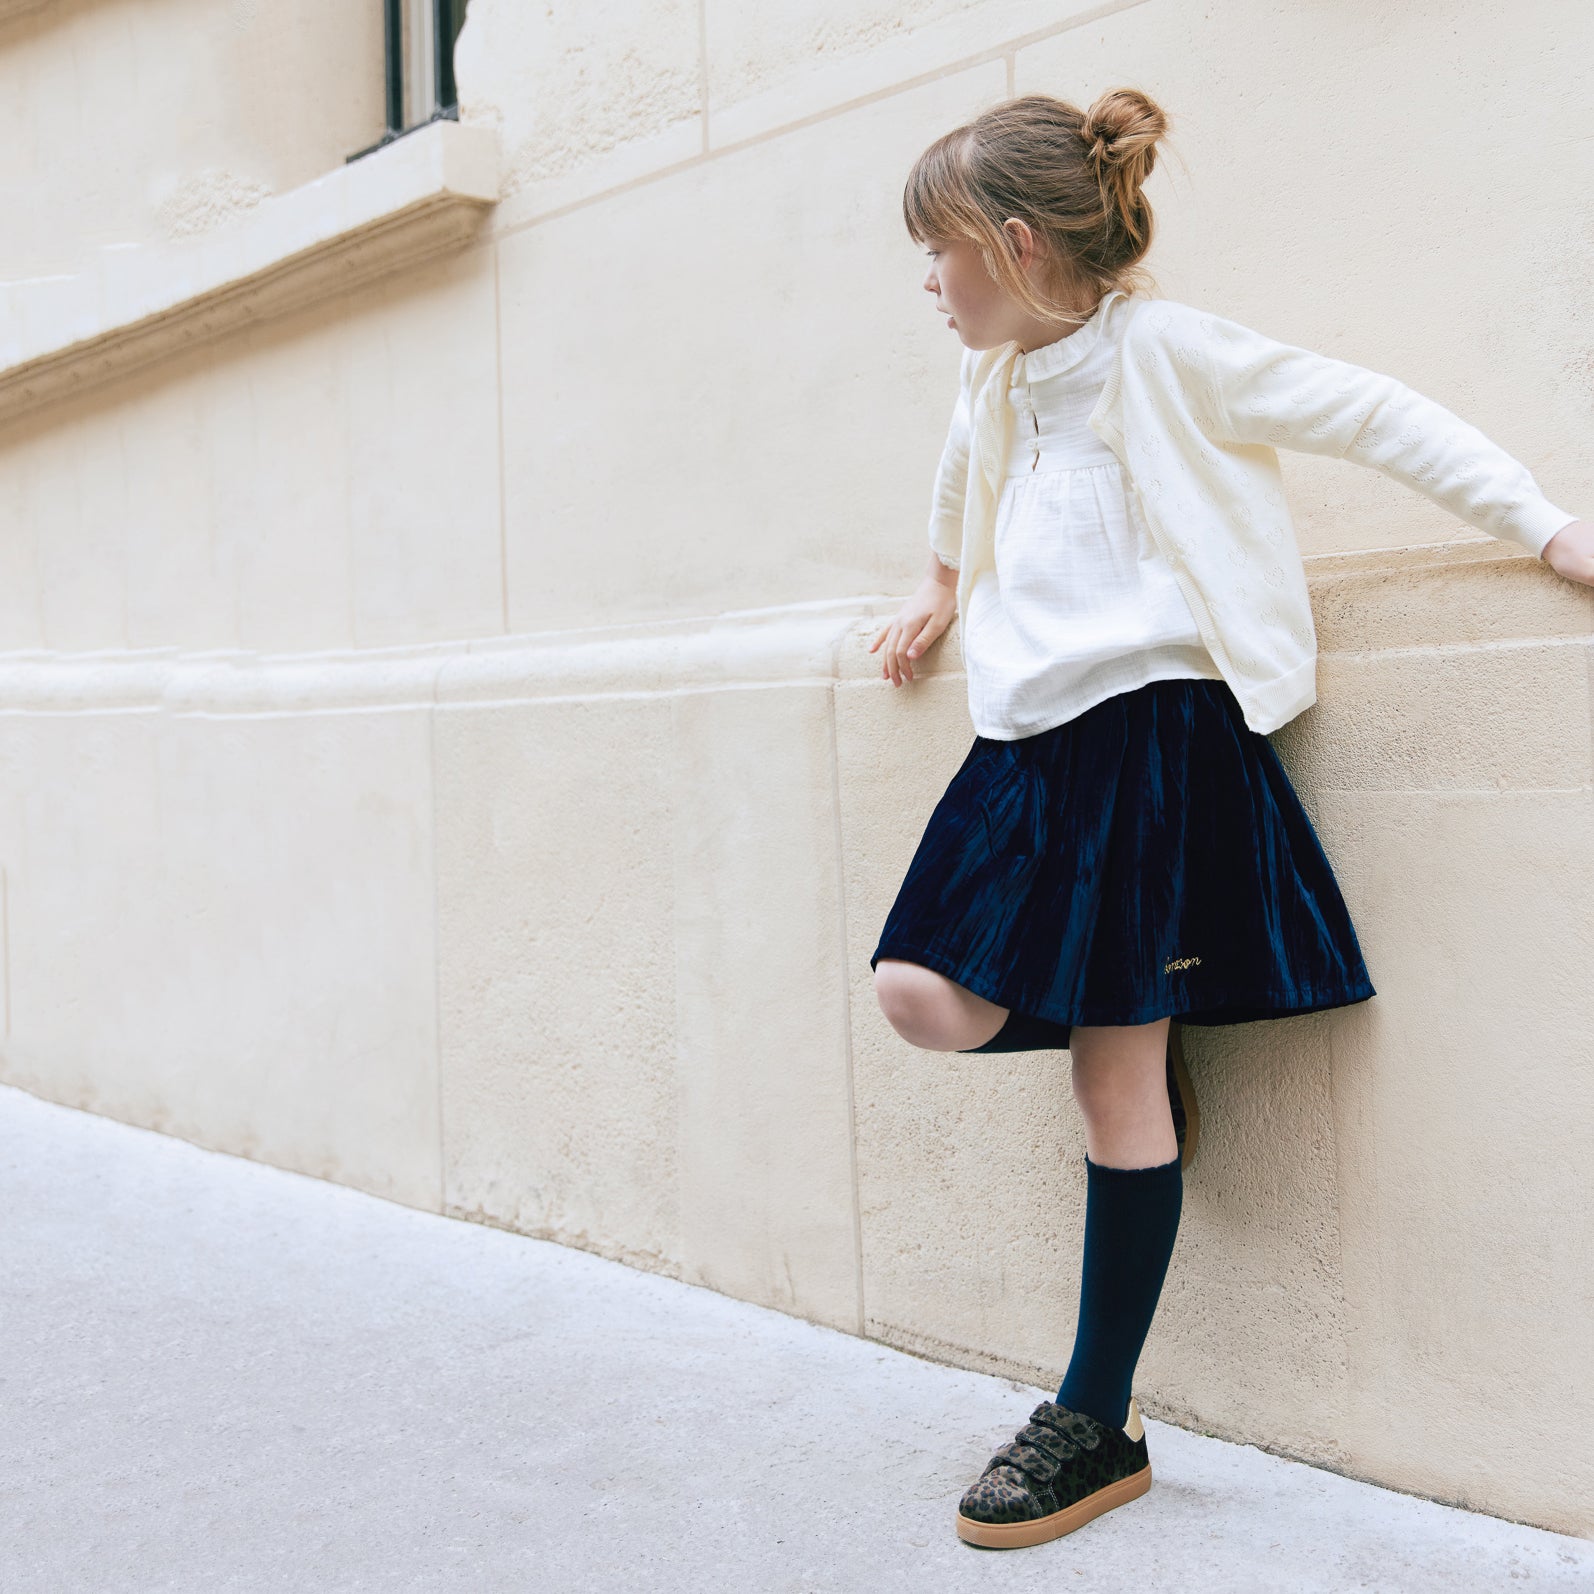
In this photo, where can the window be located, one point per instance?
(419, 38)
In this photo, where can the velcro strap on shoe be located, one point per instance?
(1055, 1444)
(1040, 1466)
(1083, 1430)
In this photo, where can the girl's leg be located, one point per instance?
(1134, 1187)
(1133, 1197)
(1121, 1085)
(930, 1011)
(941, 1016)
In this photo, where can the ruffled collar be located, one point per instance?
(996, 368)
(1065, 352)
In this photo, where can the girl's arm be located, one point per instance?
(1274, 393)
(929, 609)
(1570, 552)
(951, 476)
(921, 619)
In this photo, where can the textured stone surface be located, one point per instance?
(139, 305)
(584, 96)
(1443, 719)
(223, 929)
(270, 500)
(771, 67)
(644, 1024)
(556, 979)
(1464, 1106)
(272, 93)
(752, 414)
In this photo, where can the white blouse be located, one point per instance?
(1081, 603)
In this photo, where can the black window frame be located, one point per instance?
(448, 17)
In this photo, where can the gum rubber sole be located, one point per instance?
(1192, 1112)
(1015, 1535)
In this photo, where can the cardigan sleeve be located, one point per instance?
(1275, 393)
(951, 477)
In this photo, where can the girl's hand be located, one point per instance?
(918, 623)
(1570, 552)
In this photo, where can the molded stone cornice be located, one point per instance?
(1462, 593)
(418, 197)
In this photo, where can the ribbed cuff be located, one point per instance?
(1536, 523)
(1106, 1170)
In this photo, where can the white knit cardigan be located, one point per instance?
(1193, 407)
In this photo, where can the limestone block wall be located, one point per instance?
(132, 124)
(438, 750)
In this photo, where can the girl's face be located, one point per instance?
(967, 294)
(977, 307)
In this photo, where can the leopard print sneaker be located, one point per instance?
(1061, 1469)
(1182, 1099)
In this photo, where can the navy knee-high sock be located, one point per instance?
(1131, 1219)
(1026, 1032)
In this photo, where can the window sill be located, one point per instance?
(420, 196)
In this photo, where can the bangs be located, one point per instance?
(936, 202)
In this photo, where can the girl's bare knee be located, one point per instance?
(921, 1005)
(908, 999)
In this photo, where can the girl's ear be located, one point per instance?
(1023, 240)
(1037, 259)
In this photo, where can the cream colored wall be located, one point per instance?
(162, 119)
(441, 753)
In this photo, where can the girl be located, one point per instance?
(1121, 847)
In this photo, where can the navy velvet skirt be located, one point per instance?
(1148, 857)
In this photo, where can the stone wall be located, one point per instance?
(441, 753)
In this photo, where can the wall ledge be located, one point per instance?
(421, 196)
(1403, 558)
(1471, 593)
(1466, 591)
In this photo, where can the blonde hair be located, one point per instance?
(1074, 176)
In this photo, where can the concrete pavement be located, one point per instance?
(220, 1376)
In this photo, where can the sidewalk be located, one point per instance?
(219, 1376)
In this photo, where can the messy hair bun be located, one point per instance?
(1121, 131)
(1075, 177)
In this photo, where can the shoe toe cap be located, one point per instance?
(1000, 1496)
